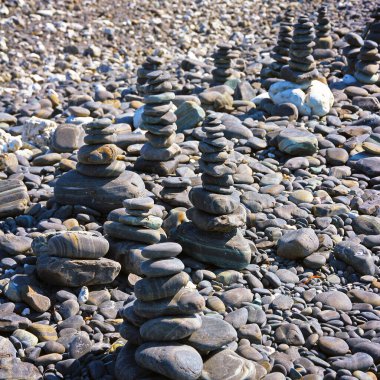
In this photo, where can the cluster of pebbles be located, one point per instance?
(163, 216)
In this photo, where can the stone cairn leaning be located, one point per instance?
(214, 235)
(100, 180)
(323, 40)
(301, 67)
(152, 63)
(160, 154)
(352, 50)
(74, 259)
(132, 228)
(367, 68)
(164, 314)
(223, 58)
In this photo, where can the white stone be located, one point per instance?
(37, 132)
(319, 98)
(259, 98)
(285, 85)
(83, 295)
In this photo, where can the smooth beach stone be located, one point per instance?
(14, 198)
(149, 221)
(73, 273)
(125, 232)
(161, 168)
(150, 153)
(77, 245)
(227, 364)
(164, 267)
(101, 194)
(114, 169)
(216, 204)
(161, 250)
(297, 142)
(213, 334)
(175, 361)
(144, 203)
(44, 333)
(170, 328)
(218, 223)
(336, 299)
(222, 249)
(332, 346)
(151, 289)
(66, 138)
(100, 154)
(186, 302)
(358, 361)
(14, 368)
(298, 244)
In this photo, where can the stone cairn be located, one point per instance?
(323, 40)
(164, 314)
(280, 52)
(152, 63)
(132, 228)
(100, 180)
(175, 191)
(74, 259)
(367, 68)
(301, 67)
(352, 50)
(214, 235)
(374, 28)
(223, 58)
(160, 154)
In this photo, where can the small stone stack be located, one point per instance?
(152, 63)
(165, 313)
(223, 64)
(100, 180)
(323, 40)
(214, 235)
(139, 223)
(175, 191)
(302, 67)
(367, 68)
(74, 259)
(160, 154)
(280, 52)
(374, 27)
(352, 50)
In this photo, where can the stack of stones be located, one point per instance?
(374, 27)
(152, 63)
(100, 181)
(175, 191)
(280, 52)
(367, 68)
(165, 313)
(352, 50)
(138, 224)
(160, 154)
(74, 259)
(302, 67)
(323, 40)
(223, 58)
(214, 236)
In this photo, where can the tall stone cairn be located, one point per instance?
(352, 50)
(152, 63)
(367, 68)
(323, 40)
(159, 154)
(223, 58)
(280, 52)
(301, 67)
(214, 234)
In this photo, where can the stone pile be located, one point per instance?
(132, 228)
(175, 191)
(280, 52)
(301, 67)
(367, 68)
(352, 50)
(164, 314)
(160, 154)
(152, 63)
(100, 180)
(74, 259)
(223, 61)
(214, 235)
(323, 40)
(374, 28)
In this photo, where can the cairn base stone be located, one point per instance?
(162, 168)
(102, 194)
(224, 250)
